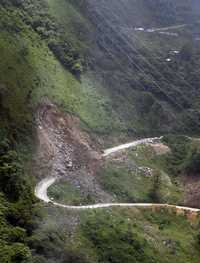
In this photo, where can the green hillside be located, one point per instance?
(30, 71)
(152, 89)
(90, 59)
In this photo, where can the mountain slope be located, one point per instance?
(119, 70)
(145, 88)
(121, 83)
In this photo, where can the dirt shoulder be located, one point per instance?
(192, 190)
(160, 148)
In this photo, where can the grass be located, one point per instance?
(29, 72)
(126, 186)
(143, 236)
(72, 21)
(64, 192)
(170, 187)
(104, 235)
(129, 182)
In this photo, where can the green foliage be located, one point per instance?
(124, 184)
(193, 162)
(130, 235)
(123, 104)
(16, 207)
(29, 71)
(180, 146)
(75, 256)
(154, 193)
(151, 95)
(64, 192)
(13, 248)
(141, 177)
(42, 43)
(36, 14)
(198, 238)
(115, 240)
(11, 181)
(184, 156)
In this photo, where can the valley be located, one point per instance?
(68, 153)
(99, 131)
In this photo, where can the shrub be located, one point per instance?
(193, 162)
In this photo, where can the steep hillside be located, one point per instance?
(80, 75)
(152, 89)
(38, 60)
(89, 58)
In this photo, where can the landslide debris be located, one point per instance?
(65, 152)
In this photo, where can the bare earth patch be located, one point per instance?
(160, 148)
(63, 151)
(192, 190)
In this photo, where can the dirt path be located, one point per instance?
(42, 188)
(129, 145)
(64, 151)
(41, 193)
(169, 28)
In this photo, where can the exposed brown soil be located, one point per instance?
(192, 190)
(64, 151)
(160, 148)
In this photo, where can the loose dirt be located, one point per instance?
(64, 151)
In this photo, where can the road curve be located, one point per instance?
(169, 28)
(42, 187)
(129, 145)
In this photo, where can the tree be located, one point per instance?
(198, 238)
(154, 193)
(10, 171)
(193, 164)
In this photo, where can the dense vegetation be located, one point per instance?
(141, 177)
(184, 156)
(36, 15)
(149, 93)
(48, 40)
(16, 207)
(138, 236)
(78, 54)
(63, 192)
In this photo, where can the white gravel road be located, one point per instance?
(129, 145)
(42, 187)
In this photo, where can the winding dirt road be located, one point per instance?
(129, 145)
(42, 187)
(169, 28)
